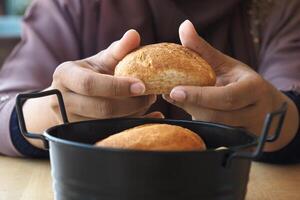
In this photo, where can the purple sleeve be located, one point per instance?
(49, 37)
(6, 108)
(279, 57)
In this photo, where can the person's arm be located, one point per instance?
(291, 152)
(89, 89)
(48, 38)
(20, 143)
(279, 58)
(241, 97)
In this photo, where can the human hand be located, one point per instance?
(241, 97)
(90, 90)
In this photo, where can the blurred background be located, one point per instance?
(11, 12)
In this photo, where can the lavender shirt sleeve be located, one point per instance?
(279, 63)
(33, 61)
(279, 56)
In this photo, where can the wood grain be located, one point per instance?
(274, 182)
(26, 179)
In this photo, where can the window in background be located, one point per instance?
(16, 7)
(11, 12)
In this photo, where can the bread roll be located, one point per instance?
(155, 137)
(163, 66)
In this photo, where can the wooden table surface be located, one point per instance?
(24, 179)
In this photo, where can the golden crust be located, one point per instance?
(163, 66)
(155, 137)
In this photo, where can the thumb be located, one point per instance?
(189, 38)
(107, 59)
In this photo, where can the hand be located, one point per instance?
(90, 90)
(241, 97)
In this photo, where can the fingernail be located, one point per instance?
(125, 34)
(178, 95)
(153, 99)
(168, 98)
(157, 115)
(187, 21)
(137, 88)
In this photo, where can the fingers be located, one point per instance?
(233, 96)
(238, 118)
(77, 118)
(100, 108)
(86, 82)
(78, 77)
(106, 60)
(155, 114)
(190, 39)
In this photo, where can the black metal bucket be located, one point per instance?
(83, 171)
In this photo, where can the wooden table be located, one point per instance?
(24, 179)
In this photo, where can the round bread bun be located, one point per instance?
(155, 137)
(163, 66)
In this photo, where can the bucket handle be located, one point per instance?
(263, 138)
(21, 99)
